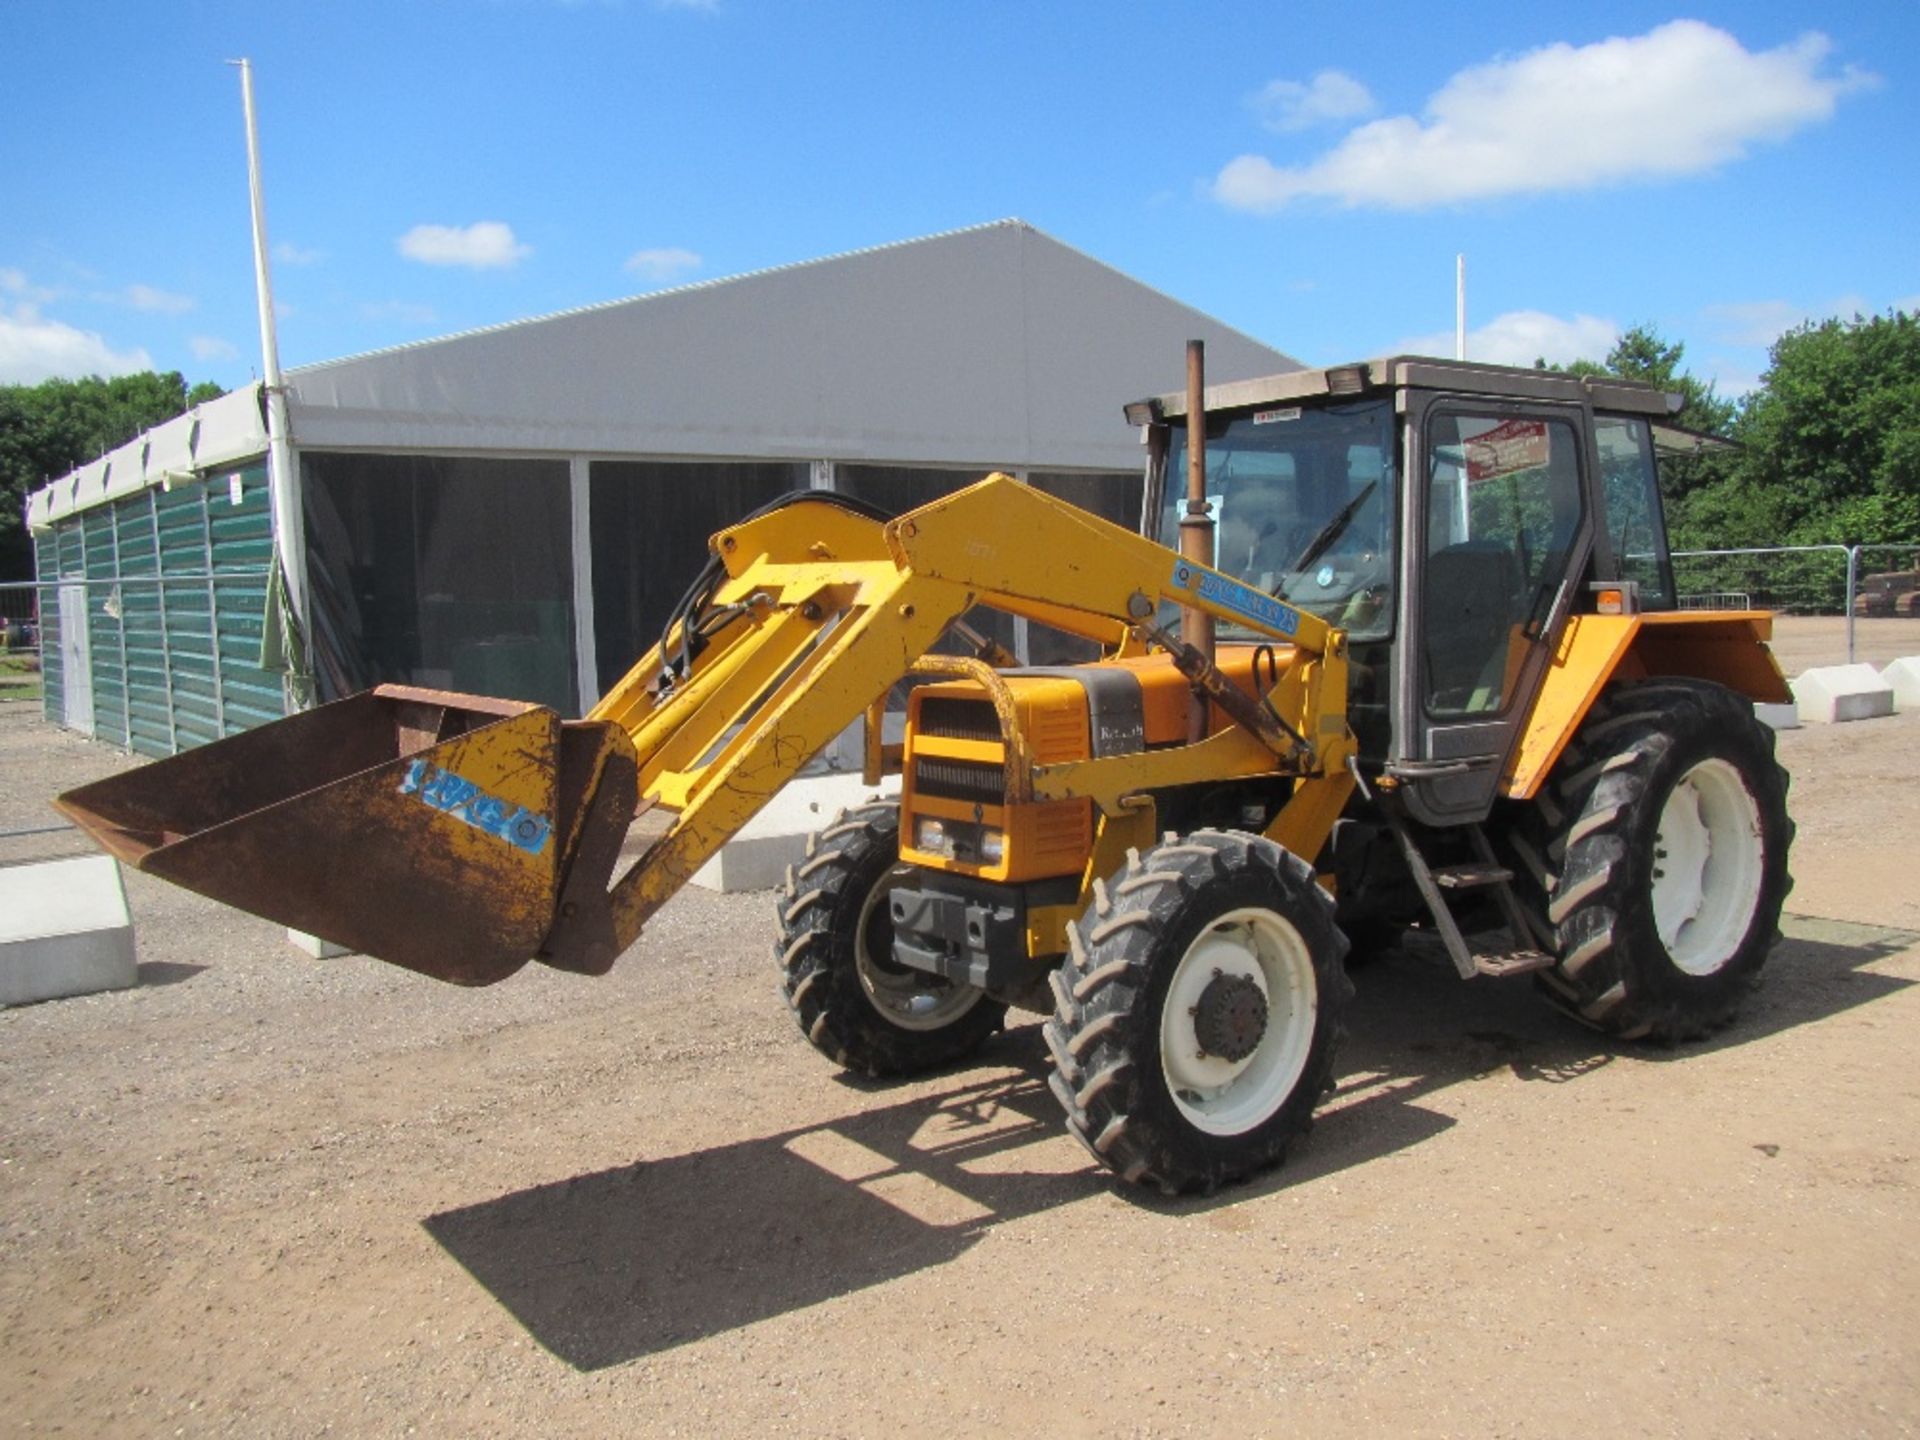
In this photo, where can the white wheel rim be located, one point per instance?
(1708, 866)
(909, 998)
(1231, 1097)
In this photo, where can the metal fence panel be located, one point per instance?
(1863, 583)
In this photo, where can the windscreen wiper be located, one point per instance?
(1330, 532)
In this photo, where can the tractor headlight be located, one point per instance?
(961, 841)
(933, 837)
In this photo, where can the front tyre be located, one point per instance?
(1669, 865)
(853, 1002)
(1196, 1018)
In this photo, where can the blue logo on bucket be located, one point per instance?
(446, 792)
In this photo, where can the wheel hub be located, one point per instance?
(1230, 1017)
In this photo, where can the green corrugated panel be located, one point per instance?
(46, 566)
(142, 620)
(181, 517)
(103, 628)
(175, 664)
(243, 541)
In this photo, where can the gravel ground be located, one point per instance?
(265, 1195)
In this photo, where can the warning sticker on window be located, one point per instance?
(1274, 417)
(1508, 448)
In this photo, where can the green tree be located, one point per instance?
(48, 429)
(1834, 432)
(1643, 354)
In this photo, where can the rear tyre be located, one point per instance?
(1660, 854)
(1196, 1018)
(854, 1004)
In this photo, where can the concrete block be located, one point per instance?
(1832, 693)
(757, 858)
(316, 947)
(1784, 715)
(64, 930)
(1904, 676)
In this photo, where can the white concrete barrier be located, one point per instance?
(1904, 676)
(316, 947)
(757, 858)
(1831, 693)
(1783, 715)
(64, 930)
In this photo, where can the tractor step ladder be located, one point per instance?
(1483, 873)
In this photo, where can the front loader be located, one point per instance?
(1408, 657)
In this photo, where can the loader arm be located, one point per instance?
(818, 612)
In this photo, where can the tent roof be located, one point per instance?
(995, 345)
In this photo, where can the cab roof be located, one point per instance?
(1420, 372)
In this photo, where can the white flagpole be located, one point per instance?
(1460, 307)
(283, 478)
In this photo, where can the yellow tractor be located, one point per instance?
(1397, 647)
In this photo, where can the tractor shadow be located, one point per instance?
(1414, 1029)
(608, 1267)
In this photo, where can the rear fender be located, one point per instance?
(1728, 647)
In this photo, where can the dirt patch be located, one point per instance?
(265, 1195)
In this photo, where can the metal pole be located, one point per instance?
(283, 479)
(1196, 526)
(1460, 307)
(1853, 571)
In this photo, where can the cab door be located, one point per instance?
(1499, 534)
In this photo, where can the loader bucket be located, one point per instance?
(429, 829)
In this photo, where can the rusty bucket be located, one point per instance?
(429, 829)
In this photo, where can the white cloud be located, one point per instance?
(1521, 337)
(33, 349)
(1288, 105)
(1732, 378)
(1682, 99)
(661, 265)
(1761, 322)
(287, 253)
(1754, 322)
(484, 245)
(212, 347)
(24, 291)
(155, 302)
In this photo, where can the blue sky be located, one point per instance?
(1306, 173)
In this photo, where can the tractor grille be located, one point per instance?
(950, 718)
(960, 780)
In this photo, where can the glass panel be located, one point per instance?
(1503, 507)
(1632, 486)
(455, 573)
(651, 521)
(1303, 508)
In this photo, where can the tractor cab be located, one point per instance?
(1449, 518)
